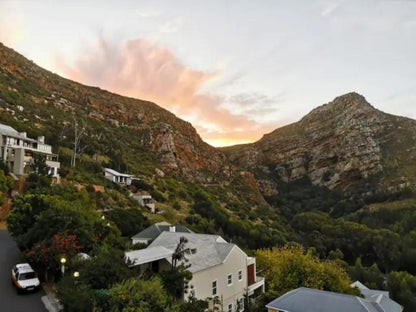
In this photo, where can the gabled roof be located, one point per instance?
(154, 230)
(7, 128)
(359, 285)
(313, 300)
(369, 293)
(9, 131)
(116, 173)
(147, 255)
(210, 250)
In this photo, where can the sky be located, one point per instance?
(235, 69)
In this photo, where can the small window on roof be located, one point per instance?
(230, 279)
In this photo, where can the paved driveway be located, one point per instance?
(9, 300)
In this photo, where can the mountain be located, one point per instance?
(344, 144)
(133, 134)
(336, 146)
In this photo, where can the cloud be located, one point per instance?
(12, 31)
(171, 26)
(147, 13)
(255, 104)
(141, 69)
(328, 7)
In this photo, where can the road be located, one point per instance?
(10, 301)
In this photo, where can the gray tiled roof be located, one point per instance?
(154, 230)
(116, 173)
(313, 300)
(7, 128)
(147, 255)
(9, 131)
(210, 250)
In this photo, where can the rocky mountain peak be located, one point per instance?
(349, 105)
(335, 145)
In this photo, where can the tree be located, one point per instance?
(291, 267)
(176, 281)
(194, 305)
(80, 128)
(137, 295)
(6, 183)
(402, 287)
(45, 256)
(39, 164)
(75, 296)
(106, 268)
(129, 221)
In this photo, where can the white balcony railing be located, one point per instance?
(257, 284)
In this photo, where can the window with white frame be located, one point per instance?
(230, 307)
(214, 288)
(230, 279)
(240, 275)
(241, 304)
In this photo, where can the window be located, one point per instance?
(214, 288)
(240, 304)
(240, 275)
(230, 279)
(230, 307)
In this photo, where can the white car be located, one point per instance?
(24, 278)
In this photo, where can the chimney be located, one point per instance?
(41, 139)
(172, 228)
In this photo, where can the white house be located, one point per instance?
(117, 177)
(17, 150)
(145, 200)
(219, 269)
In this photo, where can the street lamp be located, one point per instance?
(76, 274)
(63, 260)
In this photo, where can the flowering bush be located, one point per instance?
(45, 256)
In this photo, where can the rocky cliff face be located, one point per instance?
(336, 145)
(31, 94)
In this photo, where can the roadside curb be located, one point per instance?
(51, 304)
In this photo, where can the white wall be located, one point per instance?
(202, 280)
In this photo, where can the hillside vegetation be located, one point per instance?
(340, 182)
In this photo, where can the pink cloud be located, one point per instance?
(144, 70)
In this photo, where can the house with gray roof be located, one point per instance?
(117, 177)
(219, 269)
(313, 300)
(153, 231)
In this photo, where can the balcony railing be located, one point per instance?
(257, 284)
(41, 148)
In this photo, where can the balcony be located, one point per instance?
(257, 286)
(40, 148)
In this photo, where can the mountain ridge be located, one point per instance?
(175, 141)
(335, 145)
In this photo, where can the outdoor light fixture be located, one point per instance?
(63, 260)
(76, 274)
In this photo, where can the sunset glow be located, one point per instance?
(257, 67)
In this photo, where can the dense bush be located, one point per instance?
(129, 221)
